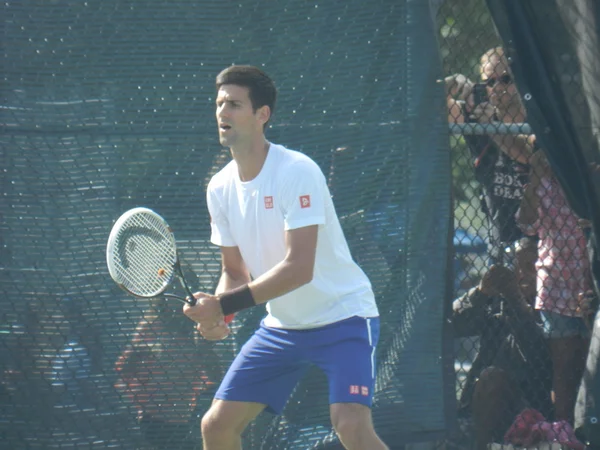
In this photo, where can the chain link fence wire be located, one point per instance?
(107, 105)
(523, 303)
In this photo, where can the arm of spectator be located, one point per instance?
(528, 215)
(468, 313)
(458, 94)
(502, 281)
(138, 352)
(508, 287)
(518, 147)
(588, 306)
(130, 363)
(455, 111)
(458, 86)
(520, 318)
(584, 224)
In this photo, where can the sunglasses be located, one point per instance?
(504, 79)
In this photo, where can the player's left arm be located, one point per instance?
(294, 271)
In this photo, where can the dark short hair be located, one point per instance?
(261, 88)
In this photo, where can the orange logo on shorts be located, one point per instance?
(364, 390)
(305, 201)
(354, 389)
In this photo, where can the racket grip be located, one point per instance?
(229, 318)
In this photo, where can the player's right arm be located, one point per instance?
(207, 312)
(234, 272)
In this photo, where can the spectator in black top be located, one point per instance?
(512, 369)
(500, 160)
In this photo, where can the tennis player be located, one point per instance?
(282, 244)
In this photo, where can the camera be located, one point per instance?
(479, 94)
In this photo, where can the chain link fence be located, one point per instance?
(523, 302)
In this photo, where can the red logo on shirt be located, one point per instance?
(269, 202)
(305, 201)
(364, 390)
(354, 389)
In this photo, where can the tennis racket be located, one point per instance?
(142, 259)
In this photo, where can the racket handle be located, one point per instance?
(191, 300)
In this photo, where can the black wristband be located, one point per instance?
(236, 300)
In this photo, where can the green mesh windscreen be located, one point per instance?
(108, 105)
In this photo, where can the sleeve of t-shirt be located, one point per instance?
(220, 233)
(302, 196)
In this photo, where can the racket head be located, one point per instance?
(141, 253)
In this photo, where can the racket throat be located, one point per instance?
(190, 299)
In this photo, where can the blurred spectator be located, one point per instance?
(83, 330)
(26, 399)
(162, 371)
(70, 373)
(512, 370)
(563, 280)
(500, 160)
(18, 354)
(79, 357)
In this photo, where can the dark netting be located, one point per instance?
(108, 105)
(523, 122)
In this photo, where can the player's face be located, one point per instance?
(237, 122)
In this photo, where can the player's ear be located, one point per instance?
(264, 114)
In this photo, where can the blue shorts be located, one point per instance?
(558, 326)
(274, 360)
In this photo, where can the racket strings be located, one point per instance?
(145, 255)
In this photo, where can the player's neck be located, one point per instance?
(251, 159)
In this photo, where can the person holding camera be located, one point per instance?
(512, 370)
(500, 160)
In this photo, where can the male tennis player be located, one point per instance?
(282, 244)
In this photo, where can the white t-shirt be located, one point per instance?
(289, 192)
